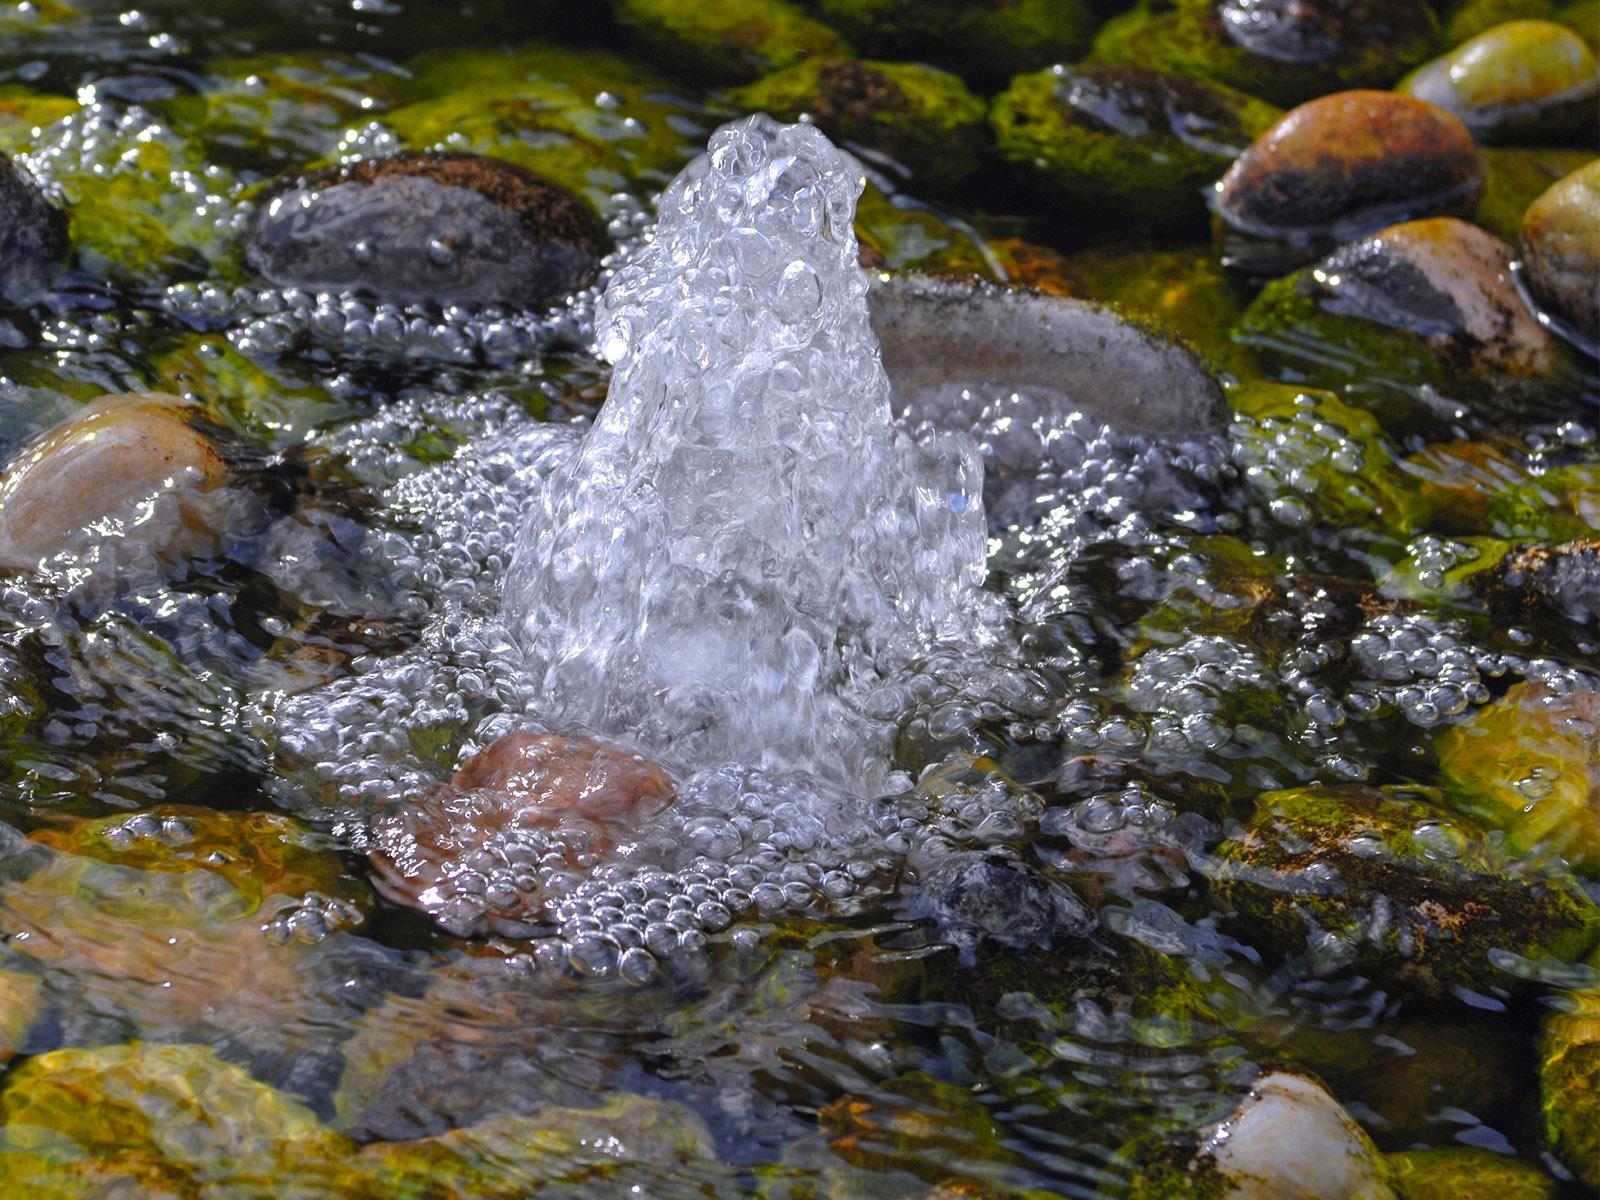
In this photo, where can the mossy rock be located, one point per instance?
(1583, 18)
(734, 41)
(273, 112)
(21, 1006)
(985, 40)
(1569, 1081)
(1466, 1173)
(541, 108)
(922, 118)
(1329, 456)
(1529, 764)
(1482, 487)
(23, 111)
(1125, 140)
(908, 237)
(1514, 177)
(1310, 50)
(1387, 883)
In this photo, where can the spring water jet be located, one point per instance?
(745, 546)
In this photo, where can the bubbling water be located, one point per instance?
(745, 547)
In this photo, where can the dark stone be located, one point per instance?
(33, 236)
(973, 899)
(446, 228)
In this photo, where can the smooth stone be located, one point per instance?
(1290, 1138)
(1451, 283)
(33, 236)
(98, 465)
(921, 118)
(1344, 165)
(1133, 142)
(974, 898)
(1521, 79)
(443, 228)
(1560, 252)
(939, 336)
(523, 796)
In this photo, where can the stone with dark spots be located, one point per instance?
(471, 854)
(33, 236)
(1341, 166)
(444, 228)
(1561, 254)
(974, 898)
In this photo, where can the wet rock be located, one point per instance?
(443, 228)
(1470, 19)
(1125, 140)
(1523, 79)
(974, 898)
(988, 40)
(21, 1005)
(1428, 305)
(1386, 883)
(1529, 764)
(1560, 580)
(730, 42)
(469, 854)
(1287, 1137)
(23, 111)
(1569, 1079)
(910, 1119)
(1284, 51)
(939, 337)
(133, 460)
(1338, 167)
(33, 236)
(924, 119)
(1466, 1173)
(1561, 254)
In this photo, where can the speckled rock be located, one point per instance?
(1284, 51)
(446, 228)
(1518, 80)
(1389, 884)
(1338, 167)
(922, 118)
(33, 236)
(987, 40)
(1561, 252)
(469, 854)
(101, 464)
(1134, 142)
(732, 41)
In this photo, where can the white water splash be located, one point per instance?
(744, 547)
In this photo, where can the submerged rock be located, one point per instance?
(1569, 1080)
(1561, 254)
(989, 40)
(1125, 140)
(732, 41)
(1388, 884)
(1467, 1173)
(1338, 167)
(1284, 51)
(924, 119)
(472, 855)
(974, 899)
(1529, 764)
(128, 472)
(1287, 1138)
(33, 236)
(442, 228)
(1523, 79)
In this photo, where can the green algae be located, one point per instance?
(1468, 1174)
(923, 118)
(1569, 1081)
(1514, 177)
(1473, 17)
